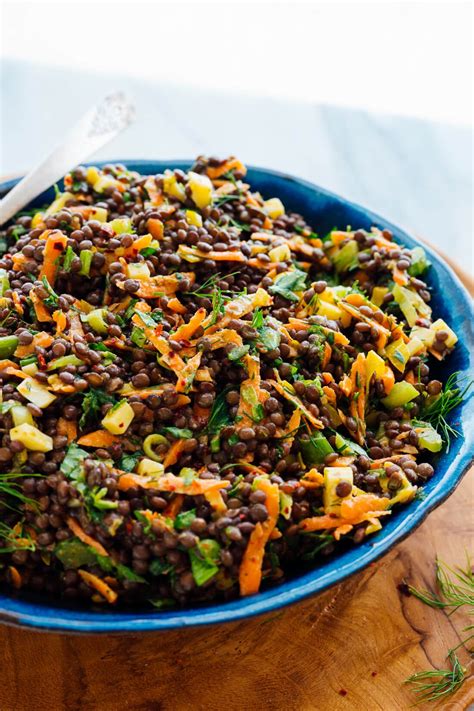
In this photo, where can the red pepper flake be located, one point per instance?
(58, 246)
(374, 674)
(342, 692)
(41, 361)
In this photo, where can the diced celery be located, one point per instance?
(419, 262)
(346, 258)
(96, 320)
(378, 295)
(103, 182)
(441, 325)
(121, 225)
(98, 213)
(428, 438)
(172, 188)
(398, 354)
(332, 477)
(193, 218)
(282, 253)
(36, 393)
(149, 466)
(374, 365)
(138, 270)
(315, 449)
(201, 189)
(401, 394)
(411, 304)
(86, 260)
(59, 203)
(30, 368)
(274, 208)
(21, 414)
(64, 361)
(118, 418)
(32, 438)
(286, 504)
(425, 335)
(92, 175)
(346, 447)
(415, 346)
(8, 346)
(331, 311)
(4, 282)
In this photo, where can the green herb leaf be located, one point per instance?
(72, 464)
(178, 432)
(92, 404)
(184, 520)
(204, 557)
(128, 462)
(288, 283)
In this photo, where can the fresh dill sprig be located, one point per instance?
(438, 683)
(206, 289)
(15, 538)
(450, 397)
(11, 491)
(223, 199)
(455, 591)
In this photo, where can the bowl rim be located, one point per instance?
(23, 613)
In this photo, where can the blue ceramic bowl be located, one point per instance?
(450, 301)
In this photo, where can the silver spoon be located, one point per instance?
(96, 128)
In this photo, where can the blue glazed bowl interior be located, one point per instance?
(450, 301)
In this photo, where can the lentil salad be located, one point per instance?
(199, 391)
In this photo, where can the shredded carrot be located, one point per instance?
(187, 330)
(155, 227)
(358, 399)
(231, 164)
(400, 277)
(42, 313)
(100, 585)
(154, 287)
(174, 453)
(15, 577)
(137, 245)
(171, 483)
(56, 243)
(99, 438)
(17, 303)
(82, 535)
(19, 259)
(175, 305)
(345, 385)
(326, 355)
(388, 379)
(188, 372)
(76, 330)
(296, 402)
(6, 363)
(41, 339)
(67, 428)
(60, 318)
(174, 507)
(250, 572)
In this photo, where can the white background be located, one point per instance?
(404, 58)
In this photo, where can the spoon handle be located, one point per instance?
(96, 128)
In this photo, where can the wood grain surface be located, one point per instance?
(348, 649)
